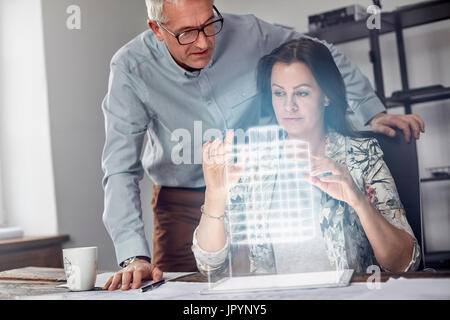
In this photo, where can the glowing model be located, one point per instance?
(275, 166)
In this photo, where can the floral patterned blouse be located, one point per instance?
(346, 243)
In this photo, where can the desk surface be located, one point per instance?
(33, 281)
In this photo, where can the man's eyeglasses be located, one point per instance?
(190, 36)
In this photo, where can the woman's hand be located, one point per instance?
(392, 246)
(219, 171)
(339, 184)
(220, 174)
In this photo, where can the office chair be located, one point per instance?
(401, 159)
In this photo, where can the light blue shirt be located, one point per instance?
(149, 93)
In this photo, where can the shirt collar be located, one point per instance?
(188, 74)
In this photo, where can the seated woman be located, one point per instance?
(361, 216)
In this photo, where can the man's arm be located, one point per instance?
(361, 98)
(125, 123)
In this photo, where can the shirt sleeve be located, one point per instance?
(125, 124)
(361, 97)
(381, 190)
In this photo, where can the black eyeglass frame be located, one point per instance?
(201, 29)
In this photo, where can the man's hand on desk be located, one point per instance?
(386, 124)
(134, 273)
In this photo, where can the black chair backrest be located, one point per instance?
(401, 159)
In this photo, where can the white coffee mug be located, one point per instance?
(80, 266)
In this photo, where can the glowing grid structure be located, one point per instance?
(278, 200)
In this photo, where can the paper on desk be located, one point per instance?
(393, 289)
(406, 289)
(168, 291)
(191, 291)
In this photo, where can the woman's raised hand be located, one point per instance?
(219, 170)
(339, 184)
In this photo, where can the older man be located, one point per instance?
(188, 77)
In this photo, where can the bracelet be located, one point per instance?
(202, 209)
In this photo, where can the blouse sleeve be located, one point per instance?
(216, 263)
(381, 191)
(209, 262)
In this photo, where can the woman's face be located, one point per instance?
(297, 99)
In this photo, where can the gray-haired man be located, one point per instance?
(194, 71)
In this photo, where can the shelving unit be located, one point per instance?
(396, 21)
(434, 179)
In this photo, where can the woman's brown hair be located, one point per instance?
(319, 60)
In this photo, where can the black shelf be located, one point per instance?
(432, 179)
(411, 16)
(395, 21)
(419, 95)
(438, 260)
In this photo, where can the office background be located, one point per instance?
(52, 82)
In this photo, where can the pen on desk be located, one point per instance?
(152, 286)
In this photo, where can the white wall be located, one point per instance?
(2, 209)
(428, 56)
(78, 71)
(52, 82)
(28, 189)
